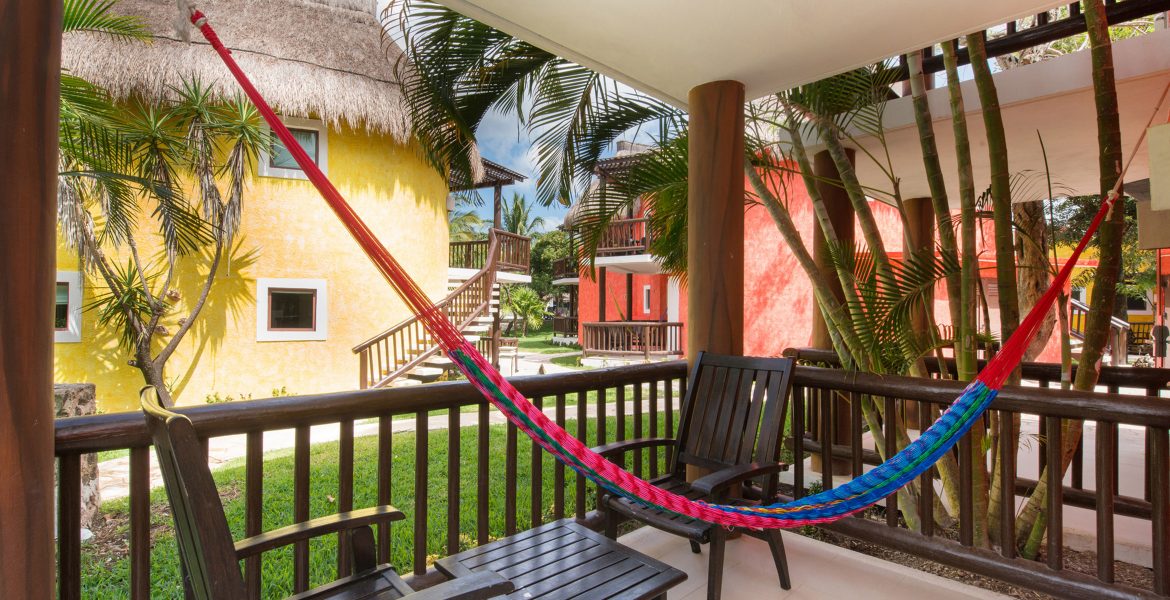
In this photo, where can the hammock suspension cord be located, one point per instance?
(826, 506)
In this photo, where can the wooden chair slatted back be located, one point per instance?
(206, 547)
(733, 412)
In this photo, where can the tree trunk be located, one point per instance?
(1033, 275)
(1109, 244)
(938, 187)
(969, 275)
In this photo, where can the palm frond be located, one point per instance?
(94, 16)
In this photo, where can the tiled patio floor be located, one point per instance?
(819, 571)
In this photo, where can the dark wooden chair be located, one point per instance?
(211, 559)
(731, 424)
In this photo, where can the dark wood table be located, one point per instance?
(565, 560)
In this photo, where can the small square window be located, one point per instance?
(646, 299)
(67, 307)
(61, 309)
(292, 310)
(281, 158)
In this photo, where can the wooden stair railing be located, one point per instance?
(1118, 329)
(395, 351)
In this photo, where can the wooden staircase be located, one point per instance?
(1118, 333)
(406, 354)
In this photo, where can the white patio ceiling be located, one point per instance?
(667, 47)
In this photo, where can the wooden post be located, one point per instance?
(715, 216)
(630, 297)
(498, 206)
(30, 63)
(841, 215)
(602, 275)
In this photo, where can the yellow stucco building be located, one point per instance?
(296, 293)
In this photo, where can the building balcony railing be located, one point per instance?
(1130, 479)
(515, 253)
(565, 326)
(625, 236)
(631, 338)
(565, 268)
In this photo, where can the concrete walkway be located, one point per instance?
(114, 475)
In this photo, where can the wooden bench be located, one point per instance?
(211, 559)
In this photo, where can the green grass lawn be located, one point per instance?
(539, 341)
(105, 567)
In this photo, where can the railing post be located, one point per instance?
(363, 370)
(646, 342)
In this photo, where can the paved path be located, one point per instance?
(114, 475)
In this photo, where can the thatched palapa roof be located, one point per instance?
(321, 58)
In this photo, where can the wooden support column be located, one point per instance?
(841, 215)
(715, 219)
(30, 63)
(920, 216)
(602, 301)
(498, 206)
(630, 297)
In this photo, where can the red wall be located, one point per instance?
(615, 304)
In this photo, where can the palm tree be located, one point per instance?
(125, 167)
(518, 217)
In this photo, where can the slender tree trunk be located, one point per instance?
(1109, 244)
(1033, 275)
(969, 276)
(938, 187)
(1001, 189)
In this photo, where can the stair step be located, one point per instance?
(477, 329)
(425, 374)
(404, 382)
(471, 339)
(439, 362)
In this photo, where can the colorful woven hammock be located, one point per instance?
(829, 505)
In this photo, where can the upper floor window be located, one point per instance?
(311, 136)
(67, 307)
(646, 299)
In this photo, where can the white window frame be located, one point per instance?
(645, 299)
(72, 332)
(265, 164)
(319, 334)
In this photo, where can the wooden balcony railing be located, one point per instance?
(513, 254)
(519, 482)
(565, 326)
(644, 399)
(626, 236)
(824, 392)
(565, 268)
(631, 338)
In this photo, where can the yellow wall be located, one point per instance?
(293, 234)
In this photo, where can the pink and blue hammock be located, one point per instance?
(826, 506)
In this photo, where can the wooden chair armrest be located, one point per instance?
(614, 449)
(296, 532)
(722, 479)
(476, 586)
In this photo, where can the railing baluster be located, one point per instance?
(926, 481)
(453, 465)
(638, 464)
(385, 473)
(855, 432)
(1007, 490)
(1055, 508)
(601, 410)
(69, 527)
(301, 506)
(253, 507)
(559, 467)
(1106, 466)
(966, 491)
(344, 491)
(536, 476)
(510, 481)
(140, 522)
(798, 407)
(583, 435)
(620, 413)
(890, 419)
(825, 400)
(1159, 468)
(654, 458)
(421, 469)
(482, 509)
